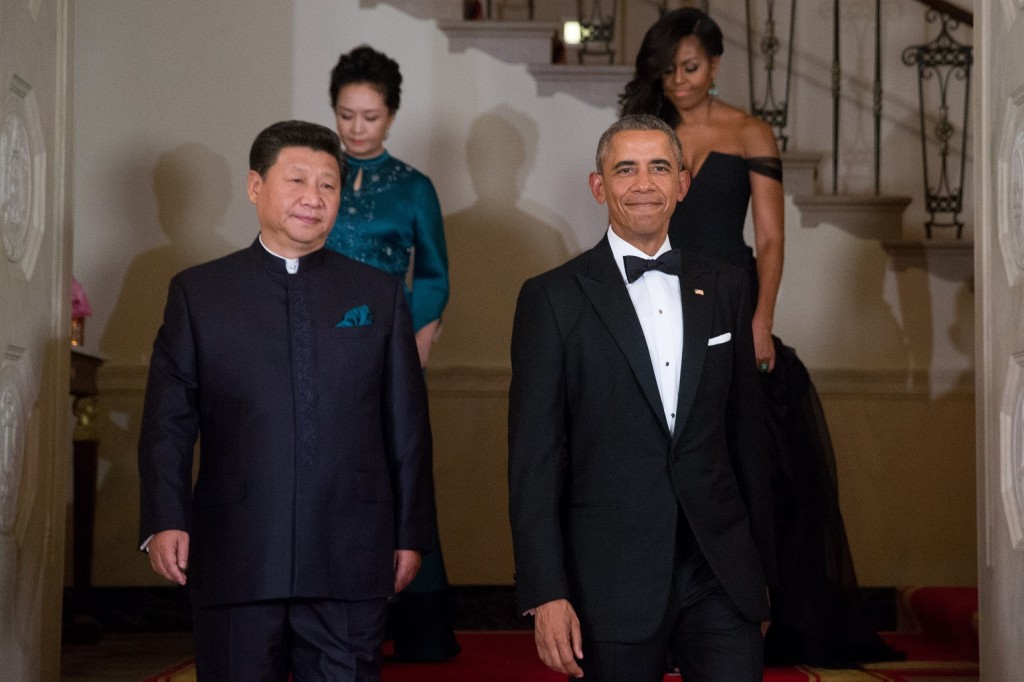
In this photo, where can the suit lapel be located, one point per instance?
(602, 284)
(697, 293)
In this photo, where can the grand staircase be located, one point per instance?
(851, 206)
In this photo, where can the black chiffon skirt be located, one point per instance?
(817, 609)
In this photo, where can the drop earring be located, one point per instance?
(713, 90)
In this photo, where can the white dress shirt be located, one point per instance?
(659, 308)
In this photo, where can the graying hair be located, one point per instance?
(637, 122)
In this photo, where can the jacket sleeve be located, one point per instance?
(170, 422)
(537, 450)
(407, 433)
(430, 264)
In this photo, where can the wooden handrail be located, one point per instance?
(952, 11)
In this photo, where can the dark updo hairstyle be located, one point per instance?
(366, 65)
(644, 94)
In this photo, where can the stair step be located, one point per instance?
(595, 84)
(514, 42)
(866, 215)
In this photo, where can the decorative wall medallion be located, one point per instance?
(22, 176)
(16, 190)
(1011, 446)
(12, 446)
(1010, 192)
(1015, 198)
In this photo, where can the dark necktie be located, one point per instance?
(667, 262)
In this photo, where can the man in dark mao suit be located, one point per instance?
(297, 370)
(638, 489)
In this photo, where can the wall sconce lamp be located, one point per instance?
(572, 32)
(593, 35)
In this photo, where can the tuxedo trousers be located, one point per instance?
(702, 632)
(308, 639)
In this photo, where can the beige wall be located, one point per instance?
(905, 465)
(906, 477)
(168, 97)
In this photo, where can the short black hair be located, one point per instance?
(644, 94)
(272, 139)
(640, 122)
(366, 65)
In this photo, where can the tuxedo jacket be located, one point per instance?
(307, 398)
(597, 481)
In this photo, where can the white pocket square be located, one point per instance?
(721, 338)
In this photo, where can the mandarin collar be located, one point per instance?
(364, 163)
(276, 264)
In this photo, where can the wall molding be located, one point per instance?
(469, 380)
(494, 381)
(915, 384)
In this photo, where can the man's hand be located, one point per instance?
(168, 554)
(407, 565)
(425, 338)
(556, 630)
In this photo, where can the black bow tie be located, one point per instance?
(667, 262)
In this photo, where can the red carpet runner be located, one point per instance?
(511, 657)
(944, 644)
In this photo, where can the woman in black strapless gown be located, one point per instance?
(710, 219)
(734, 163)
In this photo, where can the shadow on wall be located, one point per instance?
(903, 317)
(193, 189)
(495, 244)
(930, 288)
(866, 330)
(961, 329)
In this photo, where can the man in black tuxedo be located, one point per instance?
(297, 370)
(638, 488)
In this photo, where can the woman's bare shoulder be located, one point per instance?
(727, 114)
(745, 135)
(758, 138)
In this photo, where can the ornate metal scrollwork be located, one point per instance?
(943, 61)
(771, 106)
(596, 32)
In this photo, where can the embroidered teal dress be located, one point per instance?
(394, 215)
(392, 220)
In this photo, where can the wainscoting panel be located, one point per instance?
(905, 459)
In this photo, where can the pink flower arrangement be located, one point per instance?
(79, 302)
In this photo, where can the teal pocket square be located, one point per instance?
(360, 316)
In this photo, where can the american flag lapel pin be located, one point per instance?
(699, 292)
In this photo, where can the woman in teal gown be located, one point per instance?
(390, 218)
